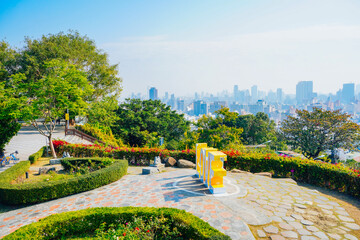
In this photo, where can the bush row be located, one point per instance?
(136, 156)
(60, 226)
(333, 176)
(35, 156)
(13, 173)
(14, 194)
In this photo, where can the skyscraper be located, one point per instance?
(200, 108)
(153, 94)
(304, 92)
(348, 93)
(254, 93)
(279, 95)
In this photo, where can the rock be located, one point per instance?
(307, 223)
(346, 219)
(312, 228)
(182, 163)
(271, 229)
(351, 237)
(261, 233)
(296, 216)
(239, 171)
(45, 170)
(289, 234)
(321, 235)
(334, 236)
(149, 170)
(286, 226)
(277, 237)
(303, 232)
(170, 162)
(352, 226)
(308, 238)
(265, 174)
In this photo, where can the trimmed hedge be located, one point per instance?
(333, 176)
(14, 194)
(14, 172)
(35, 156)
(87, 221)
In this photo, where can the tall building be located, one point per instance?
(153, 94)
(181, 105)
(279, 95)
(200, 108)
(304, 92)
(348, 93)
(254, 93)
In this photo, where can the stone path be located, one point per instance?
(272, 208)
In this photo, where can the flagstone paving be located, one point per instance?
(272, 208)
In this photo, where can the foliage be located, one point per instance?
(102, 133)
(15, 194)
(136, 156)
(228, 130)
(35, 156)
(59, 226)
(12, 173)
(90, 164)
(333, 176)
(318, 130)
(142, 122)
(73, 49)
(9, 100)
(103, 112)
(61, 87)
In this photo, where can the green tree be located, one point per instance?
(103, 112)
(61, 87)
(318, 130)
(141, 121)
(9, 99)
(220, 132)
(74, 49)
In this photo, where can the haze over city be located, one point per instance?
(184, 47)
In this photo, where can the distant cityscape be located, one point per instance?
(251, 101)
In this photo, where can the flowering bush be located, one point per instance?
(333, 176)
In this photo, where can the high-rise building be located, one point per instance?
(254, 93)
(181, 105)
(200, 108)
(153, 94)
(304, 92)
(348, 93)
(279, 95)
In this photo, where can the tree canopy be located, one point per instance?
(74, 49)
(230, 129)
(318, 130)
(143, 121)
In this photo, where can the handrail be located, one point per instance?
(82, 135)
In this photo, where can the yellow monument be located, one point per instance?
(210, 167)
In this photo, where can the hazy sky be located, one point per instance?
(187, 46)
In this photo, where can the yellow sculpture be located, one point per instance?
(210, 167)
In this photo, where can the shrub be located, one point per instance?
(60, 226)
(14, 194)
(35, 156)
(101, 133)
(12, 173)
(333, 176)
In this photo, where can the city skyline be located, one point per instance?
(187, 46)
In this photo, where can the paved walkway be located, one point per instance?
(274, 208)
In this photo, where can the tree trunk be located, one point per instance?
(52, 147)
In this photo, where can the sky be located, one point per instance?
(190, 46)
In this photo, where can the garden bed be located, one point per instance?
(120, 223)
(84, 178)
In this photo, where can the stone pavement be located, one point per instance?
(273, 208)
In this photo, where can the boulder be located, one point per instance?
(45, 170)
(182, 163)
(170, 162)
(239, 171)
(265, 174)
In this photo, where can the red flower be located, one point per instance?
(124, 234)
(137, 229)
(148, 231)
